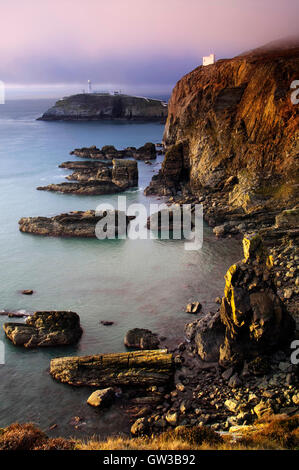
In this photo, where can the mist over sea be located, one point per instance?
(134, 283)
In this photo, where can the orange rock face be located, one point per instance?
(237, 115)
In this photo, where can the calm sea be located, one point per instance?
(142, 283)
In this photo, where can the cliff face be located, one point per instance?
(236, 119)
(96, 106)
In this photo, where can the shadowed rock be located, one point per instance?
(141, 338)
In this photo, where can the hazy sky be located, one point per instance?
(132, 42)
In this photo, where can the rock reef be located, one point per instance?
(97, 179)
(104, 106)
(75, 224)
(43, 329)
(147, 151)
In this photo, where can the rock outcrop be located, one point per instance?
(97, 179)
(256, 321)
(104, 106)
(140, 368)
(45, 329)
(75, 224)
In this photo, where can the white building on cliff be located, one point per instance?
(208, 60)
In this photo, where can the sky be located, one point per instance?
(146, 45)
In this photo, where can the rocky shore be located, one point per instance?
(233, 367)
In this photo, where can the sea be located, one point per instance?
(134, 283)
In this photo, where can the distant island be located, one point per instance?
(106, 106)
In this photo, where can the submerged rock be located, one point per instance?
(141, 338)
(53, 328)
(139, 368)
(75, 224)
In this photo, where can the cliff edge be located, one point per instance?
(101, 106)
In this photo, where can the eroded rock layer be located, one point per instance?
(140, 368)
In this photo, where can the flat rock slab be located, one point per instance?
(74, 224)
(139, 368)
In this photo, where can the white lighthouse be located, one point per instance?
(88, 86)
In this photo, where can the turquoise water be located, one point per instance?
(141, 283)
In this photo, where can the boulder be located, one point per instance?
(140, 427)
(146, 152)
(55, 328)
(136, 369)
(193, 307)
(141, 338)
(101, 398)
(208, 334)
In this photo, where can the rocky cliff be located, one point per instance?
(100, 106)
(232, 132)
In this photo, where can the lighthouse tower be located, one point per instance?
(88, 86)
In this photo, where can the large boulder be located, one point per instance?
(207, 334)
(256, 321)
(45, 329)
(101, 398)
(141, 338)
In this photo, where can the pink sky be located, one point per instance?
(117, 40)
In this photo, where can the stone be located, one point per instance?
(231, 405)
(180, 387)
(140, 427)
(141, 338)
(193, 307)
(208, 335)
(295, 398)
(53, 328)
(172, 418)
(234, 381)
(101, 398)
(27, 292)
(136, 369)
(226, 375)
(263, 409)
